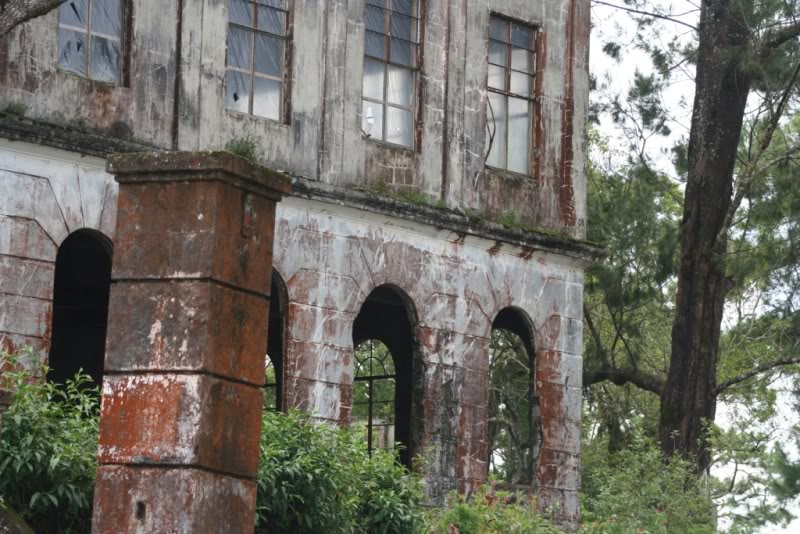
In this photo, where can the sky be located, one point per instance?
(610, 24)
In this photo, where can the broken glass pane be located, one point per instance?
(398, 126)
(498, 53)
(404, 28)
(498, 29)
(74, 13)
(267, 98)
(107, 17)
(401, 86)
(372, 119)
(404, 53)
(105, 59)
(239, 48)
(403, 6)
(373, 79)
(497, 77)
(496, 130)
(272, 20)
(518, 128)
(520, 59)
(237, 91)
(375, 45)
(72, 51)
(521, 36)
(269, 55)
(520, 83)
(376, 19)
(241, 12)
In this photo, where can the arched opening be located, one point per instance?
(276, 332)
(514, 426)
(383, 337)
(80, 306)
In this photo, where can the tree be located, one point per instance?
(15, 12)
(747, 64)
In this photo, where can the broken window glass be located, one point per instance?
(91, 22)
(511, 85)
(257, 57)
(390, 59)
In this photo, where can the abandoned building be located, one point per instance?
(436, 151)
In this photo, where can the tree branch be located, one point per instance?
(756, 371)
(645, 13)
(15, 12)
(627, 375)
(776, 38)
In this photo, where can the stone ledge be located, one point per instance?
(449, 219)
(70, 138)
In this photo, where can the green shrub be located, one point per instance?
(243, 146)
(315, 478)
(48, 448)
(490, 512)
(633, 490)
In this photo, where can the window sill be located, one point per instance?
(388, 145)
(101, 83)
(508, 175)
(241, 116)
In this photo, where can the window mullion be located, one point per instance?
(89, 39)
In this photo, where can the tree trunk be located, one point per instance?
(15, 12)
(688, 400)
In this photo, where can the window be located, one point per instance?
(90, 39)
(82, 284)
(373, 393)
(509, 113)
(255, 81)
(390, 71)
(276, 328)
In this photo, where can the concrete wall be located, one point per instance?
(45, 194)
(173, 98)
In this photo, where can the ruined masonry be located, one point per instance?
(381, 114)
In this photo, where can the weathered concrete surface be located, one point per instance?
(173, 92)
(180, 423)
(45, 194)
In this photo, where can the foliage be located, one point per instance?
(633, 490)
(244, 147)
(490, 512)
(510, 437)
(16, 108)
(48, 447)
(317, 478)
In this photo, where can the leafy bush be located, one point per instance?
(318, 478)
(48, 448)
(633, 490)
(490, 512)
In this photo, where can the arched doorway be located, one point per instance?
(384, 360)
(80, 306)
(514, 425)
(276, 333)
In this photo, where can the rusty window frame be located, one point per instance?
(285, 7)
(370, 379)
(387, 6)
(506, 92)
(122, 40)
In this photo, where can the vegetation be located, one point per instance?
(244, 147)
(48, 446)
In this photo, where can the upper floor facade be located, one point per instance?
(478, 105)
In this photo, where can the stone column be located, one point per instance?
(186, 343)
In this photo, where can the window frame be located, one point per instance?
(124, 39)
(284, 112)
(387, 62)
(533, 98)
(370, 380)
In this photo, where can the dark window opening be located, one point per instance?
(383, 391)
(514, 426)
(80, 306)
(273, 394)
